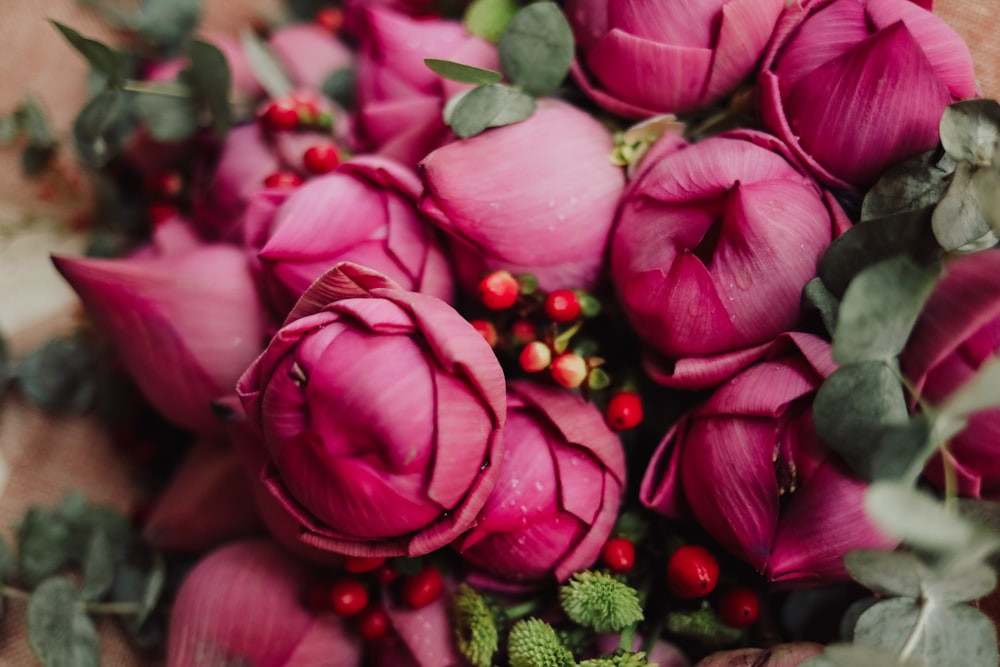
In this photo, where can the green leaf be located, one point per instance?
(44, 546)
(168, 24)
(868, 243)
(959, 218)
(948, 635)
(536, 50)
(60, 376)
(35, 159)
(853, 406)
(463, 73)
(265, 67)
(305, 10)
(917, 183)
(879, 309)
(489, 18)
(167, 117)
(951, 587)
(849, 655)
(94, 128)
(817, 296)
(339, 86)
(597, 379)
(902, 450)
(60, 634)
(35, 125)
(970, 130)
(980, 392)
(886, 572)
(98, 567)
(10, 127)
(495, 105)
(139, 580)
(101, 57)
(210, 76)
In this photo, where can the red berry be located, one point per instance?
(166, 184)
(281, 116)
(692, 572)
(618, 554)
(386, 574)
(624, 411)
(499, 290)
(536, 356)
(283, 179)
(569, 370)
(321, 158)
(373, 623)
(739, 607)
(161, 211)
(487, 330)
(522, 332)
(357, 564)
(348, 597)
(562, 306)
(330, 19)
(422, 588)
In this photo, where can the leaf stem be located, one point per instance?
(111, 608)
(159, 88)
(914, 637)
(628, 637)
(520, 610)
(16, 593)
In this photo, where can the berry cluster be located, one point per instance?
(300, 111)
(543, 333)
(357, 594)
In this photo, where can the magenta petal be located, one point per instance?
(218, 615)
(426, 633)
(343, 281)
(700, 372)
(746, 28)
(587, 550)
(729, 480)
(309, 54)
(661, 489)
(823, 521)
(893, 107)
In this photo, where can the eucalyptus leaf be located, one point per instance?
(463, 73)
(35, 125)
(917, 183)
(98, 567)
(60, 634)
(93, 129)
(265, 66)
(853, 406)
(868, 243)
(902, 450)
(952, 587)
(959, 219)
(817, 296)
(970, 130)
(10, 127)
(44, 546)
(60, 376)
(922, 522)
(101, 57)
(167, 117)
(886, 572)
(879, 310)
(537, 48)
(306, 10)
(140, 580)
(850, 655)
(339, 86)
(168, 24)
(978, 393)
(489, 18)
(489, 106)
(948, 635)
(210, 76)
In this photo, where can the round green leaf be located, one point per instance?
(959, 219)
(60, 376)
(849, 655)
(94, 128)
(902, 450)
(101, 57)
(970, 130)
(339, 86)
(489, 18)
(816, 295)
(947, 586)
(59, 634)
(168, 118)
(209, 75)
(536, 49)
(887, 572)
(948, 635)
(463, 73)
(917, 183)
(879, 309)
(44, 546)
(489, 106)
(98, 567)
(168, 23)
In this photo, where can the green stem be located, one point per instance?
(914, 637)
(111, 608)
(16, 593)
(159, 88)
(627, 637)
(520, 610)
(950, 478)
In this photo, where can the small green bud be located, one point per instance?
(476, 634)
(619, 658)
(600, 601)
(534, 643)
(703, 625)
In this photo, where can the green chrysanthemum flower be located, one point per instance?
(601, 602)
(534, 643)
(476, 633)
(622, 659)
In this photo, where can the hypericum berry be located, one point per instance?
(358, 564)
(499, 290)
(562, 306)
(422, 588)
(373, 623)
(536, 356)
(166, 184)
(281, 116)
(288, 180)
(330, 19)
(386, 574)
(321, 158)
(624, 411)
(486, 330)
(739, 607)
(618, 554)
(348, 597)
(523, 332)
(161, 211)
(569, 370)
(307, 108)
(692, 572)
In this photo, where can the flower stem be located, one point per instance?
(159, 88)
(914, 637)
(520, 610)
(627, 637)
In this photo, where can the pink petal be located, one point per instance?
(661, 489)
(309, 54)
(690, 24)
(746, 28)
(700, 372)
(426, 633)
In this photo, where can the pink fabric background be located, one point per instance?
(47, 457)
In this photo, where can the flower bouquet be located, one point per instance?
(601, 333)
